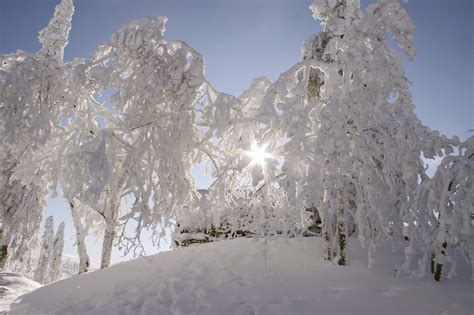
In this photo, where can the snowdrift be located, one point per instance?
(251, 276)
(12, 286)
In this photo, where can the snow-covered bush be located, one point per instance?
(248, 212)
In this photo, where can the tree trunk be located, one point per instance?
(3, 255)
(432, 263)
(109, 236)
(111, 215)
(327, 236)
(84, 261)
(4, 239)
(440, 257)
(341, 236)
(439, 265)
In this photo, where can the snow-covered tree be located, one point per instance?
(78, 152)
(50, 259)
(447, 199)
(146, 151)
(33, 95)
(46, 255)
(57, 258)
(21, 209)
(354, 141)
(84, 175)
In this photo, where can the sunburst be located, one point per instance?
(258, 156)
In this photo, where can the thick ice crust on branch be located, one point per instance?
(140, 33)
(54, 37)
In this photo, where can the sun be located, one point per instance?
(258, 154)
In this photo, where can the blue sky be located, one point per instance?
(246, 39)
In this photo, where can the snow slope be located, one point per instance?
(12, 286)
(245, 276)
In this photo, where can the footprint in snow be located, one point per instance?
(242, 307)
(392, 291)
(278, 301)
(164, 296)
(333, 292)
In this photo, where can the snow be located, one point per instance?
(11, 287)
(252, 276)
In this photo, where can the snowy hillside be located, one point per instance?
(12, 286)
(245, 276)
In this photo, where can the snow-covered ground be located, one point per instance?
(245, 276)
(12, 286)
